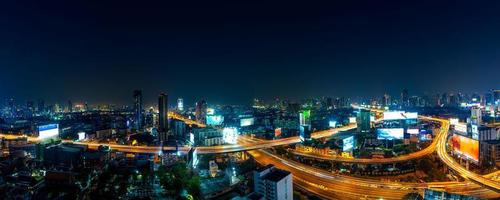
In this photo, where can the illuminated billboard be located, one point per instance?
(348, 143)
(230, 135)
(475, 132)
(390, 133)
(352, 120)
(332, 124)
(399, 115)
(81, 136)
(304, 117)
(413, 131)
(215, 120)
(247, 121)
(277, 132)
(461, 127)
(453, 121)
(48, 131)
(210, 111)
(465, 146)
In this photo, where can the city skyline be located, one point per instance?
(77, 51)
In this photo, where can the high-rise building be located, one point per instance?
(201, 112)
(363, 121)
(138, 109)
(386, 100)
(405, 98)
(41, 106)
(476, 115)
(273, 183)
(496, 96)
(163, 116)
(70, 106)
(180, 104)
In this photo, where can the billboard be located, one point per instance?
(465, 146)
(304, 117)
(247, 121)
(461, 127)
(348, 143)
(332, 124)
(453, 121)
(277, 132)
(352, 120)
(475, 132)
(81, 136)
(413, 131)
(215, 120)
(399, 115)
(230, 135)
(210, 111)
(390, 133)
(48, 131)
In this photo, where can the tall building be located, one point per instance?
(41, 106)
(70, 106)
(180, 104)
(363, 121)
(496, 95)
(163, 116)
(273, 183)
(476, 115)
(386, 101)
(201, 112)
(405, 98)
(138, 109)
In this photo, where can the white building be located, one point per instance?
(271, 183)
(476, 115)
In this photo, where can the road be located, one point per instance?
(455, 166)
(203, 150)
(341, 186)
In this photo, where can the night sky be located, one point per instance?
(231, 53)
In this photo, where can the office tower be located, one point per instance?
(386, 100)
(305, 132)
(476, 115)
(405, 99)
(496, 96)
(363, 121)
(70, 106)
(41, 106)
(180, 104)
(163, 116)
(138, 109)
(201, 112)
(273, 183)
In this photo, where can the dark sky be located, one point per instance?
(230, 53)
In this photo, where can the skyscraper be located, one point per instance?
(138, 109)
(363, 121)
(180, 104)
(70, 106)
(162, 116)
(405, 99)
(41, 106)
(201, 112)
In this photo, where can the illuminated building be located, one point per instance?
(138, 109)
(70, 106)
(363, 121)
(305, 132)
(442, 195)
(201, 112)
(476, 115)
(163, 117)
(405, 99)
(490, 153)
(180, 104)
(273, 183)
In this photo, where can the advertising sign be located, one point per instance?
(465, 146)
(48, 131)
(390, 133)
(348, 143)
